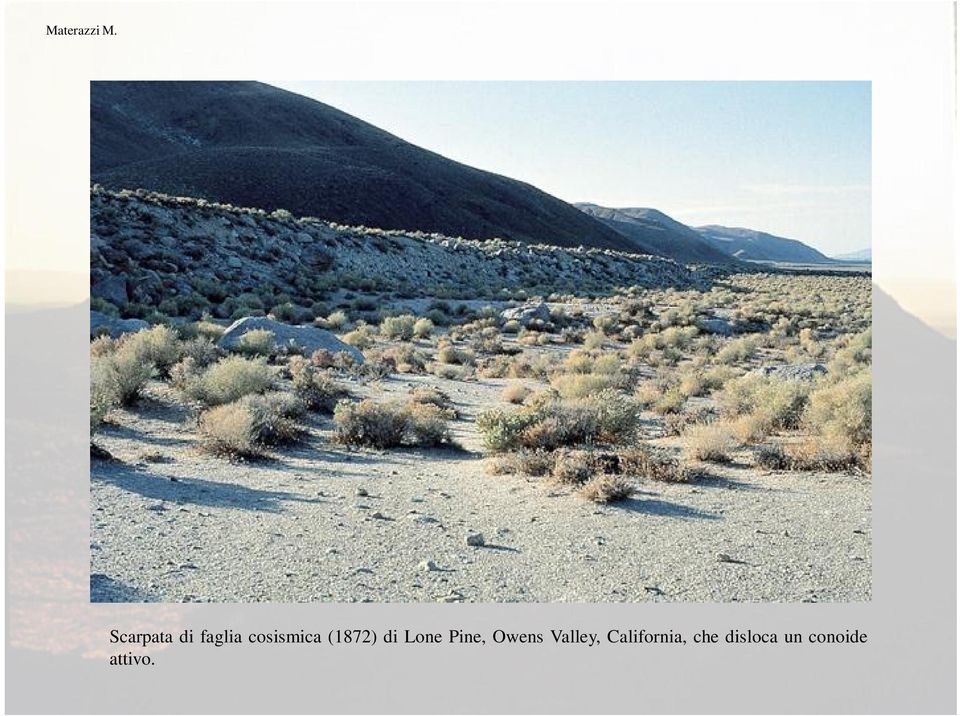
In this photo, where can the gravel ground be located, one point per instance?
(171, 524)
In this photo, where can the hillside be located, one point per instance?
(184, 256)
(750, 245)
(250, 144)
(659, 234)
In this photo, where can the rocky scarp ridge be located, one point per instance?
(183, 256)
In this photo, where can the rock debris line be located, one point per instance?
(147, 247)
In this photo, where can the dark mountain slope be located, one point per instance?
(251, 144)
(659, 233)
(750, 245)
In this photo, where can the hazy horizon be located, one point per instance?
(788, 158)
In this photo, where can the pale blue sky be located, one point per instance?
(791, 158)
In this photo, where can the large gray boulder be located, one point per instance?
(306, 338)
(101, 323)
(111, 288)
(723, 324)
(796, 371)
(526, 313)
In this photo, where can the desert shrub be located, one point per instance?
(780, 403)
(229, 431)
(578, 361)
(158, 347)
(578, 386)
(451, 355)
(737, 350)
(603, 489)
(594, 340)
(671, 401)
(709, 443)
(843, 411)
(206, 328)
(549, 422)
(771, 456)
(428, 395)
(102, 346)
(201, 350)
(116, 380)
(398, 327)
(402, 358)
(337, 320)
(572, 467)
(812, 455)
(225, 381)
(372, 424)
(511, 326)
(607, 364)
(315, 389)
(642, 461)
(360, 337)
(677, 423)
(516, 393)
(423, 328)
(258, 342)
(428, 424)
(242, 429)
(391, 423)
(535, 463)
(605, 324)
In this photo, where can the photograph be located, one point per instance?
(480, 341)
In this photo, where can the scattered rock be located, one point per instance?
(797, 371)
(428, 565)
(361, 492)
(112, 289)
(475, 539)
(527, 313)
(114, 327)
(307, 338)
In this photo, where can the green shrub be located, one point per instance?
(225, 381)
(258, 342)
(116, 380)
(398, 327)
(423, 328)
(158, 347)
(391, 423)
(843, 411)
(315, 389)
(550, 422)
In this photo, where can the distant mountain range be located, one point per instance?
(254, 145)
(750, 245)
(863, 255)
(659, 234)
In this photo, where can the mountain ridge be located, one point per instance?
(251, 144)
(659, 233)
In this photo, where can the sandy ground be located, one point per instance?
(294, 528)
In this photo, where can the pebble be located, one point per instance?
(428, 565)
(361, 492)
(475, 539)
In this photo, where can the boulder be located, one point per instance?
(723, 326)
(115, 327)
(526, 313)
(307, 338)
(796, 371)
(111, 288)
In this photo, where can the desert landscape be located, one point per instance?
(288, 404)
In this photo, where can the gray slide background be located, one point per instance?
(57, 642)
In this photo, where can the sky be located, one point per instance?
(789, 158)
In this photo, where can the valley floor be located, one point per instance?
(171, 524)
